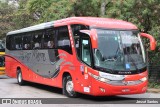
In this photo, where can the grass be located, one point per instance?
(155, 85)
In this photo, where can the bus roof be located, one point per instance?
(32, 28)
(107, 23)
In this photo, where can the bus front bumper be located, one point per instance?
(103, 89)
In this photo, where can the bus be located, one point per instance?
(88, 55)
(2, 53)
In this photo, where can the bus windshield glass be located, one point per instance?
(119, 50)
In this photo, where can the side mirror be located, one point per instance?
(94, 38)
(93, 35)
(152, 40)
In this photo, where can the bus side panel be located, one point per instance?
(66, 66)
(10, 64)
(78, 71)
(42, 80)
(82, 80)
(59, 79)
(26, 72)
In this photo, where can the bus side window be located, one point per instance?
(63, 39)
(10, 42)
(27, 42)
(75, 29)
(37, 39)
(48, 39)
(18, 42)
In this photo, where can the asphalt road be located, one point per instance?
(9, 88)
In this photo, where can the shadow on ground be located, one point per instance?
(3, 77)
(83, 99)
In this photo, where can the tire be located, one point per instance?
(20, 78)
(68, 87)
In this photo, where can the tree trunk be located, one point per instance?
(104, 4)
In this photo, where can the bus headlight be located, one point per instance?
(98, 77)
(94, 76)
(143, 79)
(103, 79)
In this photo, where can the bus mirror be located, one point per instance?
(152, 40)
(93, 35)
(94, 38)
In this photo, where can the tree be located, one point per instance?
(87, 8)
(104, 4)
(38, 7)
(143, 13)
(22, 17)
(6, 16)
(57, 9)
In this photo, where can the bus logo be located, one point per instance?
(125, 82)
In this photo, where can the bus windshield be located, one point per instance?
(119, 51)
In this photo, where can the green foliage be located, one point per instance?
(6, 16)
(155, 85)
(22, 18)
(38, 7)
(87, 8)
(145, 14)
(59, 9)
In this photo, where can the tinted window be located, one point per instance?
(48, 39)
(42, 39)
(27, 42)
(63, 39)
(37, 40)
(18, 42)
(77, 34)
(10, 42)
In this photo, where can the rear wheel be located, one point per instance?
(68, 87)
(19, 77)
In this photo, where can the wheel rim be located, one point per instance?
(19, 77)
(69, 87)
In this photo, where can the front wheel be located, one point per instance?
(19, 77)
(68, 87)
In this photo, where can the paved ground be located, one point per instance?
(10, 89)
(152, 90)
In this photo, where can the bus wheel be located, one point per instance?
(68, 87)
(19, 77)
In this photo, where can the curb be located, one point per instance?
(153, 90)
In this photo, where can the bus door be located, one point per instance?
(86, 62)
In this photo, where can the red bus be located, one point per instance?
(89, 55)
